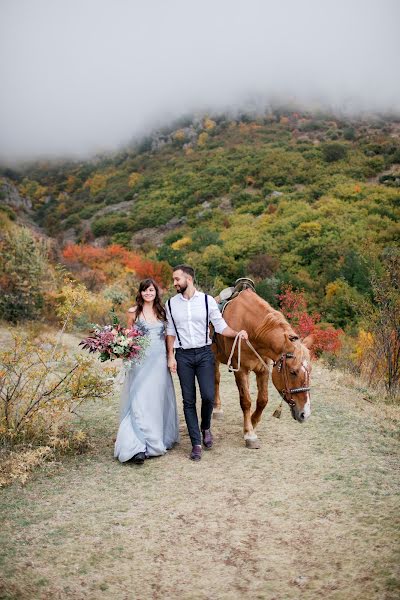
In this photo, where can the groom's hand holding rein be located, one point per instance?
(227, 332)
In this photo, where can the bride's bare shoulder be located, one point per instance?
(132, 309)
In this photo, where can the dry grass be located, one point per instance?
(312, 514)
(17, 466)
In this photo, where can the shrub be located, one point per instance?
(22, 272)
(341, 301)
(204, 237)
(116, 295)
(242, 199)
(381, 357)
(349, 134)
(333, 152)
(268, 289)
(294, 306)
(170, 255)
(8, 211)
(17, 466)
(94, 279)
(88, 212)
(71, 221)
(41, 387)
(75, 306)
(124, 238)
(111, 224)
(262, 266)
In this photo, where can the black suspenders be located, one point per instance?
(173, 321)
(207, 321)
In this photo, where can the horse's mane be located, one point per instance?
(273, 320)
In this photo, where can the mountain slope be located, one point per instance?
(286, 197)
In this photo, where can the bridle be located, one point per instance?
(280, 364)
(287, 391)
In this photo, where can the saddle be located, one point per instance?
(229, 293)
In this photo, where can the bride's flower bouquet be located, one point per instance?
(115, 341)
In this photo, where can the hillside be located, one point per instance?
(287, 197)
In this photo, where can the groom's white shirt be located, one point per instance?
(190, 319)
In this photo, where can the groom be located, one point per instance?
(189, 351)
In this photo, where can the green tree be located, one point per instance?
(341, 303)
(333, 152)
(22, 271)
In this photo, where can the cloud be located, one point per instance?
(80, 76)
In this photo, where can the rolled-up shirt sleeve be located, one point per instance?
(170, 330)
(216, 318)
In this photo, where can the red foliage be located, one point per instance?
(294, 306)
(86, 255)
(97, 259)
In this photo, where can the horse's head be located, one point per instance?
(291, 377)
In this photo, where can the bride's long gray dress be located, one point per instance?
(149, 418)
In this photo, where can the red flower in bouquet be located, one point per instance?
(115, 341)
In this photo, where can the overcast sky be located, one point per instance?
(81, 76)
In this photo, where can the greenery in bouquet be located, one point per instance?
(116, 341)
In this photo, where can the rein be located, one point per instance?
(231, 369)
(280, 364)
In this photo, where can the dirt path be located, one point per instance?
(312, 514)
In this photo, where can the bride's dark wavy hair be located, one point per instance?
(157, 306)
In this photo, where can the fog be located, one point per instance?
(83, 76)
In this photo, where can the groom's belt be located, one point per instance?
(192, 349)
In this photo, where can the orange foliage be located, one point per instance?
(97, 183)
(86, 255)
(112, 259)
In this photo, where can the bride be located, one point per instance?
(149, 419)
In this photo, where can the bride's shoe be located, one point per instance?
(139, 458)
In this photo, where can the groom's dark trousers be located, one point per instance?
(196, 363)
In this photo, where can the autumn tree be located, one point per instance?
(293, 304)
(382, 320)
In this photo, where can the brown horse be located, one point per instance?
(274, 340)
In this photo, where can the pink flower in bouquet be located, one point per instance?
(115, 341)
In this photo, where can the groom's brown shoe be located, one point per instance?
(207, 439)
(196, 453)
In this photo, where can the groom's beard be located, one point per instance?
(181, 289)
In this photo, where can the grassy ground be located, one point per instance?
(312, 514)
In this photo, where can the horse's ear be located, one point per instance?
(308, 341)
(290, 339)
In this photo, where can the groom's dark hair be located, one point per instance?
(186, 269)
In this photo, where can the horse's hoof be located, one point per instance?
(253, 444)
(218, 414)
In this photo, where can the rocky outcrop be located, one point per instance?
(10, 196)
(19, 205)
(155, 235)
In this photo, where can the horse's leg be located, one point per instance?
(262, 396)
(242, 382)
(217, 412)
